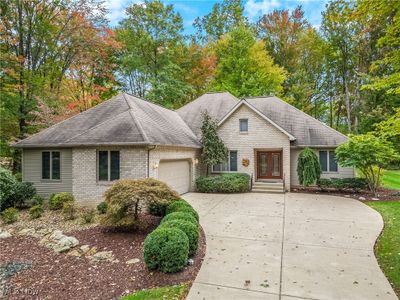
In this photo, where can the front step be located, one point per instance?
(268, 187)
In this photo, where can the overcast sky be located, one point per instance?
(189, 10)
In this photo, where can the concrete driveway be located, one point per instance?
(288, 246)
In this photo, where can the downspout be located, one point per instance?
(148, 159)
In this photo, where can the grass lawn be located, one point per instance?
(175, 292)
(387, 249)
(391, 179)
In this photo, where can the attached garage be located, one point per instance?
(176, 173)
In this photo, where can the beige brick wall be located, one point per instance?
(87, 190)
(261, 136)
(342, 172)
(175, 153)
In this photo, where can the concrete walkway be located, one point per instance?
(288, 247)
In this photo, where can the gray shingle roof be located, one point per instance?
(307, 130)
(128, 120)
(122, 120)
(217, 105)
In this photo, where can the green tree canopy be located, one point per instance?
(244, 68)
(369, 154)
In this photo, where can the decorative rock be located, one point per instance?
(91, 251)
(190, 262)
(347, 196)
(361, 198)
(56, 235)
(65, 243)
(4, 234)
(26, 231)
(375, 199)
(84, 248)
(133, 261)
(102, 256)
(74, 252)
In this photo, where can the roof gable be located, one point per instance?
(245, 103)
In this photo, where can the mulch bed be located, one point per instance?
(61, 276)
(383, 194)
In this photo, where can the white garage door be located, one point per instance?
(176, 174)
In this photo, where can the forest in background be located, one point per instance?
(59, 58)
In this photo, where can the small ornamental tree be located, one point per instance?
(308, 167)
(214, 151)
(369, 154)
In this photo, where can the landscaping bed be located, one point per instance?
(61, 276)
(383, 194)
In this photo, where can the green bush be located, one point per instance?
(13, 192)
(224, 183)
(126, 197)
(355, 184)
(88, 216)
(7, 188)
(166, 250)
(36, 211)
(180, 215)
(308, 167)
(35, 200)
(10, 215)
(102, 208)
(191, 231)
(176, 206)
(69, 210)
(58, 200)
(24, 191)
(182, 206)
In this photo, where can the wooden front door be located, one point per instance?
(269, 164)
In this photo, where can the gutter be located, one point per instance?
(148, 159)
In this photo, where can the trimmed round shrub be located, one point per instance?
(58, 200)
(176, 205)
(10, 215)
(69, 210)
(191, 231)
(180, 215)
(166, 250)
(36, 211)
(182, 207)
(102, 208)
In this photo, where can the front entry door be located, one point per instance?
(269, 164)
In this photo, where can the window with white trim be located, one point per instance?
(243, 125)
(230, 165)
(51, 165)
(327, 161)
(108, 165)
